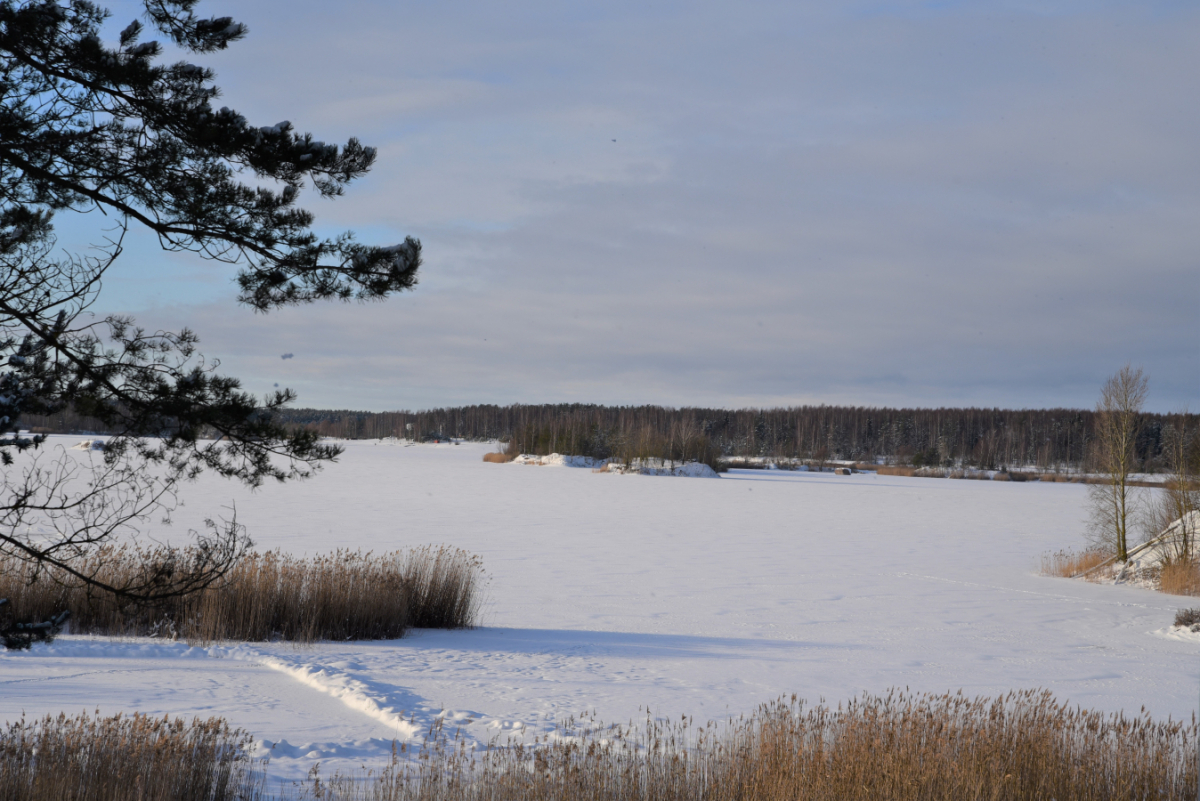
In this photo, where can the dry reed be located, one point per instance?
(1069, 564)
(1187, 617)
(1069, 478)
(134, 758)
(342, 596)
(1179, 578)
(901, 747)
(984, 475)
(499, 458)
(895, 470)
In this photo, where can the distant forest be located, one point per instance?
(990, 438)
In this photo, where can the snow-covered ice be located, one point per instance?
(615, 593)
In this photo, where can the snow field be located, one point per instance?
(618, 593)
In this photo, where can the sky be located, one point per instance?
(724, 204)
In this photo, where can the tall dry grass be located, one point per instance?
(1068, 478)
(347, 595)
(1069, 564)
(1180, 577)
(898, 747)
(133, 758)
(1187, 617)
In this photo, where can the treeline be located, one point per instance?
(988, 438)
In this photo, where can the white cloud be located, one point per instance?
(866, 203)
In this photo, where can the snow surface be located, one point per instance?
(615, 593)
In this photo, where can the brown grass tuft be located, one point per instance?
(1069, 564)
(118, 758)
(499, 458)
(1187, 617)
(895, 470)
(1069, 478)
(1019, 747)
(347, 595)
(1180, 578)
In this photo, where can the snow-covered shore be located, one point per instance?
(613, 594)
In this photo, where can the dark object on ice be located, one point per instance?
(19, 636)
(843, 471)
(1187, 617)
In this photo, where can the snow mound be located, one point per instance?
(87, 646)
(355, 694)
(1184, 633)
(1172, 543)
(89, 445)
(641, 467)
(688, 470)
(559, 460)
(1176, 538)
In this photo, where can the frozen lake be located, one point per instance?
(615, 593)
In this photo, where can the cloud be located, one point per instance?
(877, 203)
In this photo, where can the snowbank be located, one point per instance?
(1169, 543)
(1145, 559)
(687, 470)
(559, 460)
(642, 467)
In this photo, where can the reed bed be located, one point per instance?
(895, 470)
(1017, 476)
(1069, 564)
(1180, 578)
(899, 747)
(1062, 478)
(346, 595)
(134, 758)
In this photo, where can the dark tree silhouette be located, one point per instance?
(88, 128)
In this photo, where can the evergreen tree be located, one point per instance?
(86, 127)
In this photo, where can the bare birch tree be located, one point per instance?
(1118, 420)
